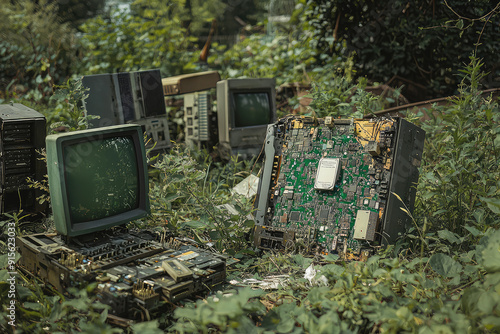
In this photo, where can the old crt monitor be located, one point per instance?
(119, 98)
(244, 109)
(97, 178)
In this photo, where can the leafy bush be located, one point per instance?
(460, 179)
(36, 50)
(187, 192)
(421, 41)
(67, 107)
(147, 37)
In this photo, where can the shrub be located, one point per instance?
(460, 178)
(36, 50)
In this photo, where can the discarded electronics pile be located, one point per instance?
(335, 186)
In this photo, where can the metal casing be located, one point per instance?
(22, 134)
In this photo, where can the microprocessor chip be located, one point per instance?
(323, 213)
(294, 216)
(288, 194)
(327, 174)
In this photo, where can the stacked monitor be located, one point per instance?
(244, 109)
(130, 97)
(98, 178)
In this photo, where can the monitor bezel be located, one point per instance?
(57, 182)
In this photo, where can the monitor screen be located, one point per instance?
(111, 163)
(97, 178)
(251, 108)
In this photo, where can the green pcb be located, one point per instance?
(331, 182)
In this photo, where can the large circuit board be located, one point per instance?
(326, 183)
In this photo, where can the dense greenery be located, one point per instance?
(444, 276)
(36, 50)
(421, 41)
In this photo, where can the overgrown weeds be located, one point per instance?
(190, 194)
(460, 180)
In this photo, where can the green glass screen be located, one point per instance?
(101, 177)
(251, 109)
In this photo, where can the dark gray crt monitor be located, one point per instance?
(119, 98)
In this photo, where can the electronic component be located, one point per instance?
(373, 148)
(327, 174)
(330, 183)
(133, 269)
(197, 121)
(177, 270)
(22, 134)
(365, 224)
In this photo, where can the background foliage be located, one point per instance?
(36, 49)
(149, 36)
(421, 41)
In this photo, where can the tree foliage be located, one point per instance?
(422, 41)
(77, 12)
(36, 50)
(150, 36)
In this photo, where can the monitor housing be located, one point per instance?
(245, 107)
(128, 97)
(337, 186)
(97, 178)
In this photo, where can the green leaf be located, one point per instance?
(449, 236)
(150, 327)
(331, 257)
(487, 302)
(302, 261)
(32, 306)
(445, 265)
(249, 223)
(492, 203)
(491, 323)
(474, 231)
(490, 254)
(196, 224)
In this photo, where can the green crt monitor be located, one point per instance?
(98, 178)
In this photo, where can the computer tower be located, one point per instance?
(198, 118)
(337, 185)
(22, 134)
